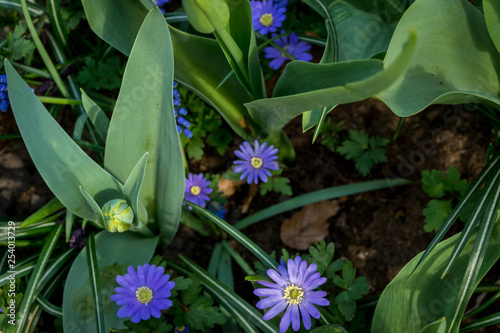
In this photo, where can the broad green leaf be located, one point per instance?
(243, 42)
(412, 301)
(99, 217)
(441, 71)
(492, 16)
(96, 116)
(305, 86)
(224, 295)
(143, 121)
(206, 16)
(439, 326)
(132, 187)
(115, 252)
(61, 163)
(360, 34)
(200, 65)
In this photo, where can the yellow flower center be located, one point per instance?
(282, 54)
(195, 190)
(256, 162)
(293, 294)
(266, 20)
(144, 295)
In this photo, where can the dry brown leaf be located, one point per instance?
(248, 200)
(308, 225)
(228, 187)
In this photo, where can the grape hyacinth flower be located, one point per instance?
(295, 47)
(267, 16)
(197, 189)
(4, 98)
(293, 291)
(217, 209)
(256, 161)
(144, 293)
(182, 123)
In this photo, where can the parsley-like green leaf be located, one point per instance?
(202, 314)
(276, 184)
(364, 150)
(195, 148)
(17, 43)
(346, 305)
(97, 74)
(330, 133)
(322, 255)
(436, 186)
(436, 213)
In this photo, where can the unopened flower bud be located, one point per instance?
(118, 215)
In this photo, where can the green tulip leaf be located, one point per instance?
(143, 121)
(442, 70)
(96, 116)
(61, 163)
(132, 187)
(413, 301)
(99, 217)
(492, 16)
(305, 86)
(439, 326)
(206, 16)
(200, 65)
(115, 252)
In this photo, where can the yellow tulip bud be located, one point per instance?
(118, 215)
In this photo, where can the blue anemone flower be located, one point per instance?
(297, 49)
(143, 293)
(256, 161)
(293, 290)
(267, 16)
(196, 189)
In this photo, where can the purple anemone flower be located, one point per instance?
(143, 293)
(197, 189)
(297, 49)
(292, 291)
(267, 16)
(256, 161)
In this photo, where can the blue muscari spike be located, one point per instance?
(187, 133)
(175, 84)
(179, 129)
(175, 112)
(182, 121)
(3, 87)
(3, 78)
(3, 95)
(4, 105)
(183, 111)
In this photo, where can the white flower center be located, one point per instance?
(293, 294)
(144, 295)
(256, 162)
(266, 20)
(195, 190)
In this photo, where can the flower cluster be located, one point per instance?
(267, 17)
(293, 290)
(143, 293)
(196, 189)
(4, 97)
(182, 123)
(255, 162)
